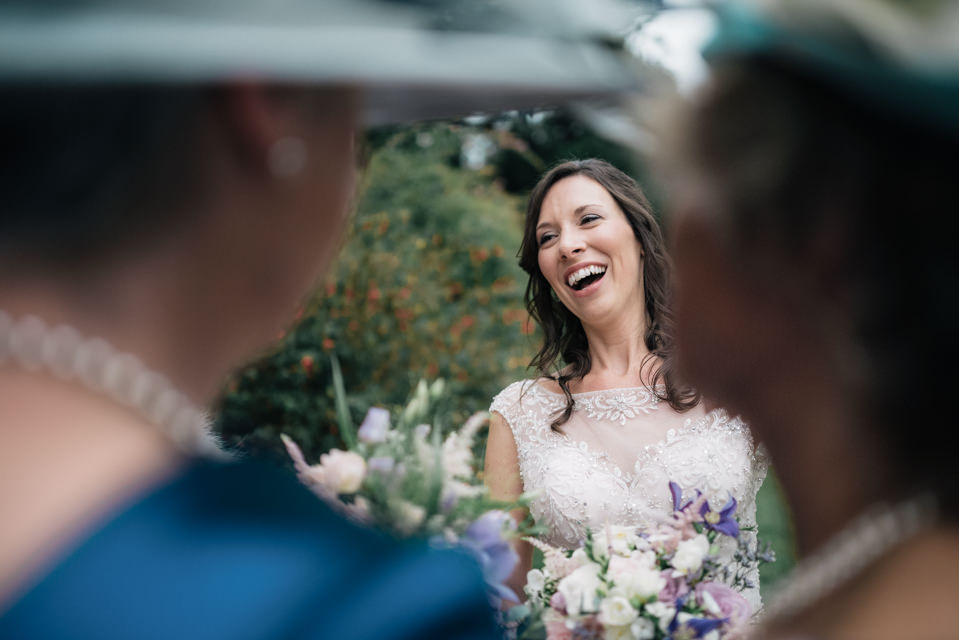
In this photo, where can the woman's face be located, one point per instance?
(588, 252)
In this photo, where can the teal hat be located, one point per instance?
(897, 56)
(413, 59)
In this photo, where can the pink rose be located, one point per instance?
(730, 603)
(558, 603)
(557, 630)
(675, 588)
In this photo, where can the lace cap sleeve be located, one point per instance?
(506, 402)
(519, 408)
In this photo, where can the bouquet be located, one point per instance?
(664, 582)
(398, 473)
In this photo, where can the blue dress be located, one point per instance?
(239, 551)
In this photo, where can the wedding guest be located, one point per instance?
(607, 424)
(171, 185)
(812, 196)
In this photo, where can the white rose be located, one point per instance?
(579, 558)
(690, 554)
(535, 581)
(645, 583)
(644, 559)
(617, 633)
(579, 589)
(408, 516)
(342, 471)
(662, 612)
(616, 611)
(634, 578)
(622, 540)
(643, 629)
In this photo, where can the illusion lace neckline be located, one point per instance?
(646, 388)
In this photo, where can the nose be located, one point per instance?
(571, 243)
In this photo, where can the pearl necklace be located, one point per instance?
(62, 351)
(853, 549)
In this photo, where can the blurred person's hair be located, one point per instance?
(86, 169)
(564, 340)
(857, 206)
(89, 171)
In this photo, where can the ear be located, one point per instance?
(256, 116)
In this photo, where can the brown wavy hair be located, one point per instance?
(564, 340)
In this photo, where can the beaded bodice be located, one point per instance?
(613, 460)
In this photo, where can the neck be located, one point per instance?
(619, 355)
(618, 359)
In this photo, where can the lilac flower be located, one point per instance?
(722, 520)
(381, 464)
(375, 426)
(484, 538)
(448, 501)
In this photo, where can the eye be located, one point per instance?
(590, 217)
(546, 237)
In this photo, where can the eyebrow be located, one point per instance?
(578, 210)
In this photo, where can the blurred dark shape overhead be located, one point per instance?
(899, 56)
(414, 59)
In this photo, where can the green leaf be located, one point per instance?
(347, 429)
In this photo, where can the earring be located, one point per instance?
(287, 157)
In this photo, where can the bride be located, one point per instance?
(600, 440)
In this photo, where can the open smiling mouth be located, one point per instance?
(582, 278)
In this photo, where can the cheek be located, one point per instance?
(543, 261)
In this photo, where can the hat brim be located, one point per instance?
(406, 73)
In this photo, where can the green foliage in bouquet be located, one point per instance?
(398, 472)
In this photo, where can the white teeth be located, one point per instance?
(579, 274)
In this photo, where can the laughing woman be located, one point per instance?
(606, 425)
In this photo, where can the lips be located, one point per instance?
(582, 276)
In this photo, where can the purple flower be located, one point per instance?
(677, 493)
(693, 627)
(685, 626)
(375, 426)
(722, 520)
(484, 538)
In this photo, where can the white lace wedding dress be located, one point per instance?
(614, 459)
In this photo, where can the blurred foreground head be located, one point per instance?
(814, 199)
(215, 137)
